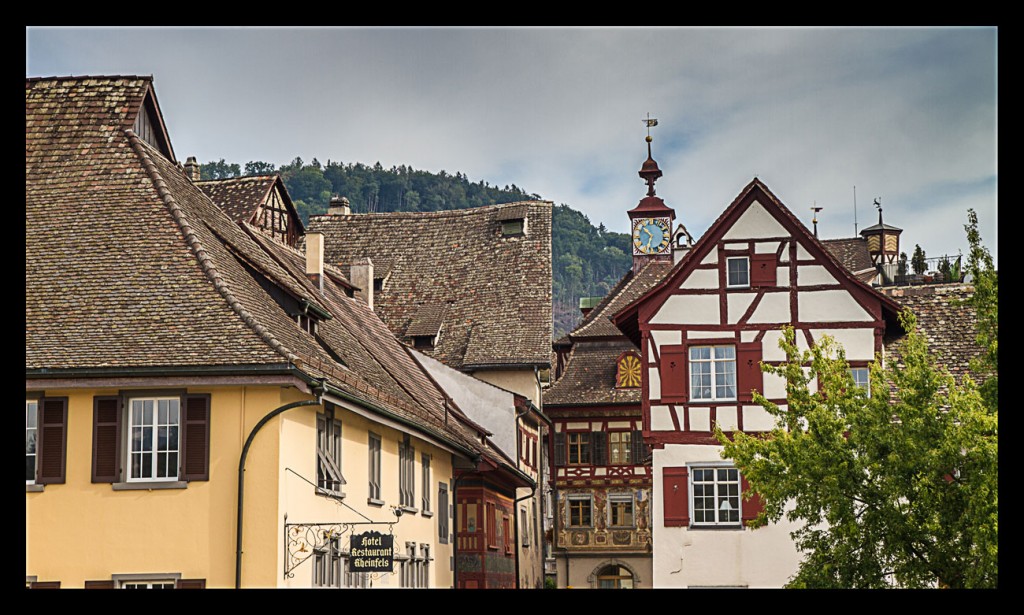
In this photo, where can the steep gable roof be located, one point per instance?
(851, 253)
(240, 197)
(497, 289)
(589, 377)
(627, 319)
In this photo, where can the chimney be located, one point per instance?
(192, 169)
(338, 207)
(315, 259)
(362, 277)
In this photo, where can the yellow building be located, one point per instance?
(167, 345)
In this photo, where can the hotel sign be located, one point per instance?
(371, 552)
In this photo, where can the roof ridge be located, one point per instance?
(232, 179)
(205, 262)
(83, 77)
(439, 213)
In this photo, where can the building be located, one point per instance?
(262, 201)
(214, 406)
(471, 289)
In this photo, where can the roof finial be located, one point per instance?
(816, 209)
(650, 172)
(878, 205)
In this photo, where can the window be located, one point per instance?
(614, 577)
(424, 566)
(149, 580)
(31, 413)
(157, 584)
(412, 570)
(327, 564)
(423, 342)
(579, 511)
(406, 476)
(579, 447)
(353, 579)
(153, 424)
(442, 513)
(492, 526)
(738, 272)
(861, 378)
(148, 440)
(512, 227)
(506, 528)
(716, 496)
(620, 509)
(425, 463)
(374, 470)
(713, 373)
(524, 533)
(328, 453)
(619, 447)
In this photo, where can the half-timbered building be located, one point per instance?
(261, 201)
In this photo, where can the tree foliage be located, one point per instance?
(897, 491)
(917, 261)
(985, 302)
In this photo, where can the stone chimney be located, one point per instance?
(362, 277)
(315, 259)
(192, 169)
(338, 207)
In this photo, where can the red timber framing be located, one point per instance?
(672, 360)
(599, 469)
(276, 216)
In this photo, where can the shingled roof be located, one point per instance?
(853, 254)
(239, 196)
(589, 376)
(598, 322)
(130, 265)
(497, 289)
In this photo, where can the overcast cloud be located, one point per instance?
(907, 115)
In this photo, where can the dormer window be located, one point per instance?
(513, 220)
(307, 322)
(512, 228)
(423, 342)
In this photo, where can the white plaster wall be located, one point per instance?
(774, 386)
(711, 258)
(770, 350)
(701, 278)
(747, 336)
(754, 223)
(653, 383)
(756, 418)
(802, 253)
(704, 335)
(774, 307)
(620, 424)
(578, 425)
(782, 275)
(766, 247)
(700, 419)
(683, 557)
(809, 275)
(678, 254)
(696, 309)
(726, 418)
(666, 338)
(737, 304)
(858, 343)
(661, 420)
(830, 306)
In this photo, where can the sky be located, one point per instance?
(823, 116)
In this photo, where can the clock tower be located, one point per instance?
(651, 220)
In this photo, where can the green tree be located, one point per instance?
(985, 301)
(917, 261)
(219, 170)
(258, 167)
(901, 270)
(889, 492)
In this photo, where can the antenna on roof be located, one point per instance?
(816, 209)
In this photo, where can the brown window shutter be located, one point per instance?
(599, 443)
(636, 448)
(750, 508)
(44, 585)
(559, 448)
(762, 270)
(53, 440)
(748, 370)
(191, 584)
(676, 490)
(673, 374)
(100, 585)
(195, 435)
(106, 439)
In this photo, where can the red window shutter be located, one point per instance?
(762, 270)
(44, 585)
(752, 507)
(748, 370)
(100, 585)
(53, 440)
(195, 434)
(191, 584)
(106, 439)
(673, 374)
(676, 491)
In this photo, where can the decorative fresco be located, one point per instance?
(598, 535)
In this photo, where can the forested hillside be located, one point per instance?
(586, 260)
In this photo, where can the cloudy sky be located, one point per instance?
(905, 115)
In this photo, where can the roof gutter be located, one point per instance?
(176, 370)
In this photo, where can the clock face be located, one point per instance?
(651, 235)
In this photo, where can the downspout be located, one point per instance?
(515, 502)
(317, 390)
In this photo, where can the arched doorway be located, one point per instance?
(614, 576)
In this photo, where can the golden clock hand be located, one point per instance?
(644, 229)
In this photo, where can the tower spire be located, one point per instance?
(650, 172)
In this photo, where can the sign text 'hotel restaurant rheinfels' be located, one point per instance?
(371, 552)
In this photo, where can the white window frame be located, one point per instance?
(524, 527)
(123, 581)
(621, 497)
(717, 495)
(373, 486)
(728, 272)
(625, 456)
(862, 383)
(32, 432)
(589, 499)
(154, 443)
(713, 362)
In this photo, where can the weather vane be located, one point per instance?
(650, 121)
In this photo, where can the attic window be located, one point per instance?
(423, 342)
(513, 228)
(378, 285)
(307, 322)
